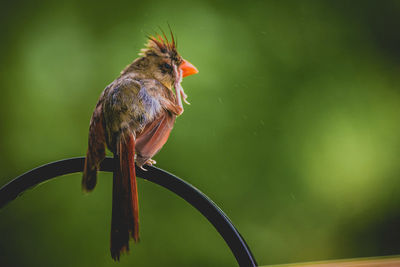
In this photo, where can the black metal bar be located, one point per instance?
(192, 195)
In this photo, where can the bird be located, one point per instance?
(133, 118)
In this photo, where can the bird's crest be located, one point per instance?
(160, 45)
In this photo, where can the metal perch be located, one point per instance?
(192, 195)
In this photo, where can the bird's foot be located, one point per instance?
(150, 162)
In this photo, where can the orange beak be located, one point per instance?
(187, 68)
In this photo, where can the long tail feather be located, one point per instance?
(127, 165)
(125, 207)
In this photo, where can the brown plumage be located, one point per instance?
(133, 118)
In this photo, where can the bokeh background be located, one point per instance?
(293, 129)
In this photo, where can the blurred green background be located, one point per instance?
(293, 129)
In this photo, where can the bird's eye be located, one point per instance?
(167, 66)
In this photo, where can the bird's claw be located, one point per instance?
(150, 162)
(143, 169)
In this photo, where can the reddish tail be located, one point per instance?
(125, 205)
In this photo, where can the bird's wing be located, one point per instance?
(153, 137)
(96, 148)
(123, 110)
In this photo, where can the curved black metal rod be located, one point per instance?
(183, 189)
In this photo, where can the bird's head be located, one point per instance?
(163, 61)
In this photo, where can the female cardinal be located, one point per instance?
(134, 117)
